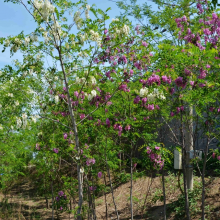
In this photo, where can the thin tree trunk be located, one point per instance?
(184, 171)
(52, 199)
(106, 205)
(112, 191)
(203, 180)
(72, 116)
(164, 196)
(131, 202)
(149, 186)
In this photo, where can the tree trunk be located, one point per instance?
(72, 116)
(164, 196)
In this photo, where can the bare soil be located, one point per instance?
(21, 203)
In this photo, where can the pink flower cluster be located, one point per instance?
(154, 79)
(155, 157)
(90, 161)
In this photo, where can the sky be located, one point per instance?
(14, 18)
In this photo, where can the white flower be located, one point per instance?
(90, 97)
(24, 116)
(81, 170)
(87, 14)
(12, 127)
(31, 72)
(151, 97)
(143, 92)
(56, 99)
(7, 43)
(10, 95)
(26, 41)
(156, 91)
(116, 19)
(1, 128)
(56, 78)
(88, 7)
(19, 122)
(93, 93)
(92, 79)
(34, 119)
(78, 80)
(162, 97)
(77, 158)
(16, 103)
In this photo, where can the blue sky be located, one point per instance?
(14, 18)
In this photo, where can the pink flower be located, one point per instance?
(180, 82)
(135, 165)
(172, 114)
(90, 161)
(149, 151)
(56, 150)
(218, 157)
(145, 44)
(37, 147)
(211, 109)
(82, 116)
(65, 136)
(157, 148)
(108, 123)
(157, 106)
(213, 155)
(172, 90)
(208, 66)
(105, 31)
(99, 174)
(137, 100)
(135, 119)
(76, 93)
(177, 110)
(127, 127)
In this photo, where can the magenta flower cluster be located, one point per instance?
(90, 161)
(155, 157)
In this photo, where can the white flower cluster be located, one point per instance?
(56, 97)
(82, 54)
(115, 19)
(80, 80)
(7, 42)
(1, 128)
(143, 92)
(56, 30)
(34, 118)
(87, 11)
(95, 37)
(10, 95)
(123, 31)
(152, 96)
(26, 41)
(92, 80)
(92, 95)
(19, 122)
(78, 20)
(46, 8)
(24, 119)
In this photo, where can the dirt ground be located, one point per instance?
(147, 201)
